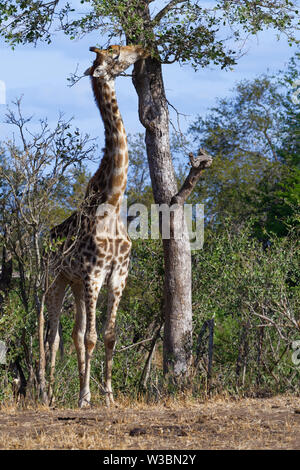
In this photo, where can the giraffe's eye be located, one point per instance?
(98, 72)
(113, 54)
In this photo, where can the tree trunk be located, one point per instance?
(42, 357)
(7, 269)
(40, 304)
(154, 115)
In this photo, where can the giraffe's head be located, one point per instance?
(111, 62)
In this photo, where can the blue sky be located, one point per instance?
(40, 75)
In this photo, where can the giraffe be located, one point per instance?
(91, 248)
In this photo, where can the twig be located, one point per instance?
(146, 371)
(133, 345)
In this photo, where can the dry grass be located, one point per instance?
(269, 423)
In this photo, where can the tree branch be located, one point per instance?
(165, 10)
(200, 163)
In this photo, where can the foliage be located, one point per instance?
(183, 30)
(36, 173)
(254, 139)
(253, 293)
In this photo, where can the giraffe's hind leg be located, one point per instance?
(116, 285)
(54, 301)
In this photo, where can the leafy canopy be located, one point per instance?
(179, 30)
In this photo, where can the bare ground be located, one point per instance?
(269, 423)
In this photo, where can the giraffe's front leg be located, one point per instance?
(90, 339)
(109, 342)
(79, 329)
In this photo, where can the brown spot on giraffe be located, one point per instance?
(114, 198)
(123, 144)
(125, 247)
(117, 180)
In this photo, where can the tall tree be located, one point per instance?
(183, 31)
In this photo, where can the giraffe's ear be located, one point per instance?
(88, 71)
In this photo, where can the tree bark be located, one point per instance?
(40, 304)
(7, 269)
(154, 115)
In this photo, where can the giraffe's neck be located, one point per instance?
(111, 177)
